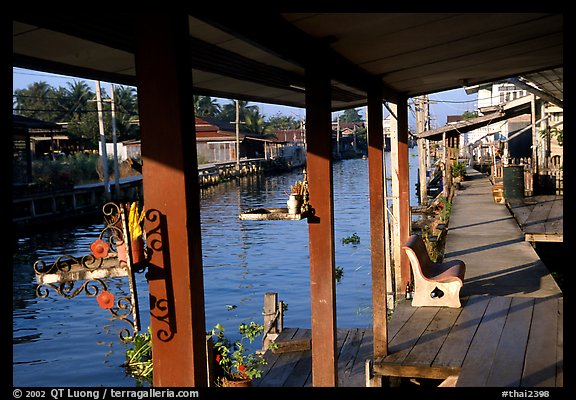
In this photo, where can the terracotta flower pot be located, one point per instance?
(137, 246)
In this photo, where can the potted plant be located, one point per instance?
(238, 366)
(135, 232)
(295, 197)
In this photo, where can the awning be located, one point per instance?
(511, 109)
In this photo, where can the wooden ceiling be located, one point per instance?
(263, 56)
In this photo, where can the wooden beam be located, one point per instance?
(171, 196)
(377, 210)
(401, 193)
(321, 228)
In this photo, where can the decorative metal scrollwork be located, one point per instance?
(67, 271)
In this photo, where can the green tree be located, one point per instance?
(228, 113)
(36, 101)
(205, 106)
(350, 115)
(469, 114)
(255, 122)
(126, 112)
(282, 122)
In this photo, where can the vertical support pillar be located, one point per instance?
(321, 227)
(401, 193)
(377, 184)
(171, 198)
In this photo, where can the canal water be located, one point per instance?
(74, 342)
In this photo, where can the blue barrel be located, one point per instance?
(513, 177)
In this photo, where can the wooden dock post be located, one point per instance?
(271, 316)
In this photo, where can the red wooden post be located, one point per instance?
(376, 183)
(404, 189)
(321, 228)
(171, 196)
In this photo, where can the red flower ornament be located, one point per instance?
(105, 299)
(99, 248)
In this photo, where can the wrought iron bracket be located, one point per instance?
(67, 271)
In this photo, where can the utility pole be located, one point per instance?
(237, 135)
(115, 142)
(421, 119)
(103, 152)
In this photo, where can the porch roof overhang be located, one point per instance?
(263, 57)
(504, 112)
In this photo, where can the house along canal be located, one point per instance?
(60, 342)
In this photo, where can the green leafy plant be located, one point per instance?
(353, 239)
(235, 359)
(339, 273)
(459, 170)
(139, 357)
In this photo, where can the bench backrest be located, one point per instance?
(417, 245)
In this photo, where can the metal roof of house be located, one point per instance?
(262, 56)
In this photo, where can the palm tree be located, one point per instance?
(255, 121)
(126, 112)
(75, 100)
(205, 106)
(228, 113)
(36, 101)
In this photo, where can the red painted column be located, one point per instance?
(171, 198)
(376, 183)
(404, 189)
(321, 227)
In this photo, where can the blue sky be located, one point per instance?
(452, 102)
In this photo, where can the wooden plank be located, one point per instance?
(109, 269)
(272, 358)
(348, 354)
(284, 365)
(555, 221)
(302, 371)
(400, 316)
(544, 237)
(520, 210)
(508, 363)
(357, 375)
(402, 344)
(560, 345)
(476, 364)
(542, 348)
(429, 344)
(538, 216)
(460, 337)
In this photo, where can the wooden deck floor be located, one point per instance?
(294, 369)
(541, 218)
(491, 341)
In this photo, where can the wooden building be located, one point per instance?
(322, 62)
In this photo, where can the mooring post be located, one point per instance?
(271, 315)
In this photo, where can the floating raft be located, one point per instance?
(267, 214)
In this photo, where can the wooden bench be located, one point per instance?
(435, 284)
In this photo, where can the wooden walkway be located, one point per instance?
(491, 341)
(541, 218)
(508, 332)
(294, 369)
